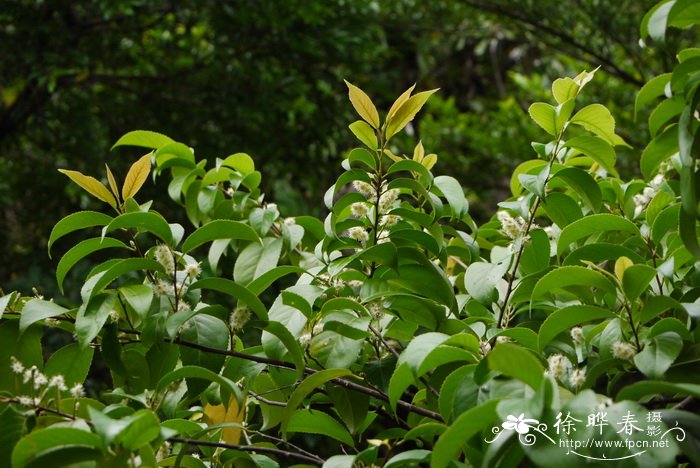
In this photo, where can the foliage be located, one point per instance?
(395, 332)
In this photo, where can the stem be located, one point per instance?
(634, 330)
(250, 448)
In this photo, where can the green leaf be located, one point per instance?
(535, 256)
(145, 221)
(5, 301)
(593, 224)
(101, 281)
(596, 118)
(195, 372)
(240, 162)
(564, 89)
(25, 347)
(462, 429)
(661, 148)
(80, 251)
(76, 221)
(517, 362)
(639, 390)
(598, 149)
(139, 297)
(651, 90)
(262, 282)
(408, 458)
(566, 276)
(310, 421)
(219, 229)
(142, 427)
(561, 208)
(57, 446)
(72, 362)
(364, 133)
(664, 113)
(567, 317)
(598, 252)
(583, 184)
(311, 383)
(658, 355)
(545, 116)
(144, 139)
(363, 156)
(209, 332)
(406, 112)
(256, 259)
(241, 293)
(481, 279)
(13, 423)
(295, 352)
(363, 105)
(453, 192)
(636, 279)
(38, 309)
(92, 316)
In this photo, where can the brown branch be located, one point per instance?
(251, 448)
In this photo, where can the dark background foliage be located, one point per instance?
(267, 78)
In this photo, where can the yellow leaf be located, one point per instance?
(137, 175)
(93, 186)
(418, 152)
(218, 414)
(112, 183)
(407, 112)
(429, 161)
(399, 102)
(621, 265)
(363, 105)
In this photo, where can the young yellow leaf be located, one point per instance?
(407, 112)
(429, 161)
(621, 265)
(137, 175)
(418, 152)
(112, 183)
(218, 414)
(399, 102)
(363, 105)
(93, 186)
(364, 133)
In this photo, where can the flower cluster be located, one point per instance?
(165, 257)
(41, 383)
(359, 234)
(641, 200)
(577, 335)
(510, 226)
(623, 350)
(239, 317)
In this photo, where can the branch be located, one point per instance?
(251, 448)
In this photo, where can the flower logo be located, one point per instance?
(519, 424)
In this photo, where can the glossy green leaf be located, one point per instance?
(144, 139)
(462, 429)
(639, 390)
(481, 279)
(661, 148)
(115, 271)
(562, 209)
(408, 458)
(596, 118)
(195, 372)
(310, 421)
(566, 276)
(598, 149)
(636, 280)
(241, 293)
(92, 316)
(219, 229)
(453, 192)
(56, 446)
(583, 184)
(545, 116)
(80, 251)
(651, 90)
(256, 259)
(38, 309)
(567, 317)
(517, 362)
(76, 221)
(593, 224)
(143, 221)
(658, 355)
(72, 362)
